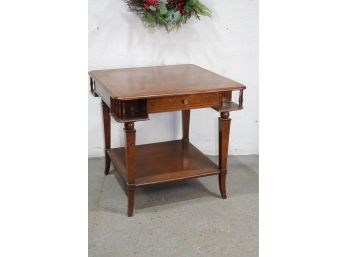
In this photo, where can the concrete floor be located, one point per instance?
(181, 219)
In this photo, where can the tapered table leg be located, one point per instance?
(185, 115)
(107, 135)
(224, 133)
(130, 193)
(130, 162)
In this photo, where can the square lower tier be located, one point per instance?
(164, 162)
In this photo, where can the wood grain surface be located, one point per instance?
(164, 162)
(170, 80)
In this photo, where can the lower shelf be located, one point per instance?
(164, 162)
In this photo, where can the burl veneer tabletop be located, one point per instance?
(135, 83)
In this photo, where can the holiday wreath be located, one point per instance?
(170, 14)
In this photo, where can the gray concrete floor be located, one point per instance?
(181, 219)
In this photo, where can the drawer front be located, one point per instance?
(183, 102)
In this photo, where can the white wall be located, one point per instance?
(226, 44)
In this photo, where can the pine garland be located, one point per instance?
(170, 14)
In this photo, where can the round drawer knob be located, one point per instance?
(185, 101)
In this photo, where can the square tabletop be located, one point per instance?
(146, 82)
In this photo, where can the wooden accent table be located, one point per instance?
(131, 94)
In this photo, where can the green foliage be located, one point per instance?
(163, 9)
(197, 9)
(172, 19)
(153, 8)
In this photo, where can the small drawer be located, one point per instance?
(183, 102)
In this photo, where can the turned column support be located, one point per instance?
(130, 163)
(224, 133)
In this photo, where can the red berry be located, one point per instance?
(147, 3)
